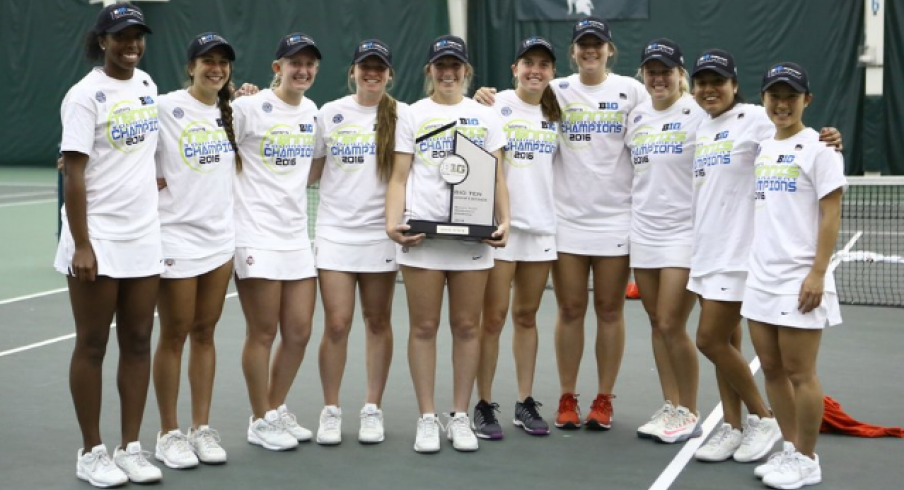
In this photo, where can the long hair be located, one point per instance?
(93, 51)
(224, 98)
(387, 115)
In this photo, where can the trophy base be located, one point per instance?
(458, 231)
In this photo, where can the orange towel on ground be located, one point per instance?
(836, 421)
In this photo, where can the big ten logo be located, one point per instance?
(608, 106)
(202, 146)
(722, 135)
(128, 125)
(785, 159)
(349, 146)
(305, 128)
(675, 126)
(469, 121)
(548, 125)
(282, 150)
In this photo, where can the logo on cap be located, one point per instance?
(121, 12)
(784, 70)
(297, 38)
(589, 24)
(448, 44)
(210, 38)
(372, 46)
(660, 48)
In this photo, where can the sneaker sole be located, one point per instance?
(800, 484)
(329, 443)
(213, 461)
(533, 432)
(371, 441)
(82, 476)
(425, 451)
(489, 437)
(252, 439)
(644, 435)
(175, 466)
(568, 425)
(596, 425)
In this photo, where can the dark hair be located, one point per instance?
(549, 104)
(387, 115)
(93, 51)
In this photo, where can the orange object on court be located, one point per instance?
(835, 420)
(632, 292)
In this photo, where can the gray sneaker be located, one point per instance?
(485, 424)
(528, 417)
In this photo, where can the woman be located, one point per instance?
(531, 118)
(790, 294)
(110, 240)
(723, 217)
(352, 249)
(662, 141)
(417, 190)
(274, 267)
(197, 160)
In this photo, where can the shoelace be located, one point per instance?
(429, 427)
(370, 420)
(790, 461)
(208, 437)
(531, 409)
(180, 443)
(720, 436)
(460, 426)
(678, 419)
(488, 413)
(140, 458)
(568, 403)
(102, 459)
(331, 421)
(288, 420)
(750, 432)
(603, 403)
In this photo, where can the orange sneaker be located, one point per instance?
(569, 414)
(600, 416)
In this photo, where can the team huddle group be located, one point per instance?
(706, 198)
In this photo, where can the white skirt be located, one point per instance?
(376, 256)
(277, 265)
(720, 286)
(184, 268)
(592, 243)
(527, 247)
(781, 309)
(658, 257)
(446, 255)
(119, 259)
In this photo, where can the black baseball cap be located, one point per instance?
(203, 43)
(535, 42)
(664, 50)
(448, 45)
(786, 72)
(116, 17)
(372, 47)
(294, 43)
(591, 25)
(716, 60)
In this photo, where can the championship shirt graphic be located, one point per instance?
(583, 122)
(203, 145)
(712, 152)
(350, 145)
(650, 140)
(283, 145)
(434, 149)
(130, 121)
(525, 142)
(775, 174)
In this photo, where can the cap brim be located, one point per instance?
(379, 56)
(716, 69)
(522, 52)
(454, 54)
(296, 49)
(230, 53)
(790, 81)
(658, 57)
(129, 23)
(591, 32)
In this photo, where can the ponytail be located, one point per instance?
(549, 104)
(387, 116)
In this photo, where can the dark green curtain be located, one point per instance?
(41, 53)
(893, 89)
(822, 36)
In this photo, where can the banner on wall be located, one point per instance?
(551, 10)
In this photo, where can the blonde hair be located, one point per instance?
(428, 80)
(684, 84)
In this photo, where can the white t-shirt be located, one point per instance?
(723, 175)
(531, 142)
(592, 168)
(352, 196)
(792, 175)
(197, 160)
(427, 194)
(114, 122)
(277, 142)
(662, 149)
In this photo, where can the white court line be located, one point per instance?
(26, 194)
(28, 184)
(30, 296)
(836, 257)
(671, 472)
(63, 337)
(28, 203)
